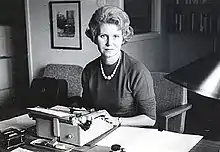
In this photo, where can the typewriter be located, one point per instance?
(61, 125)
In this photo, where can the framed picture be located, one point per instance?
(65, 24)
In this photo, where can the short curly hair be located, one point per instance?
(112, 15)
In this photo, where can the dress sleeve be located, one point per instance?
(143, 91)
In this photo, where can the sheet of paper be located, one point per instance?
(19, 149)
(20, 122)
(142, 139)
(50, 112)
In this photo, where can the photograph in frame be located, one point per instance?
(65, 25)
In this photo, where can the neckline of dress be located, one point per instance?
(109, 77)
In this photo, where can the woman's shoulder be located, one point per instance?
(92, 64)
(134, 65)
(91, 67)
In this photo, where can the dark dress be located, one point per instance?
(129, 93)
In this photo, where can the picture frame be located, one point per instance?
(65, 25)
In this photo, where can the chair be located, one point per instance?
(171, 103)
(71, 73)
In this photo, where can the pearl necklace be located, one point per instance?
(113, 73)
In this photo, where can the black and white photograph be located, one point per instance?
(110, 75)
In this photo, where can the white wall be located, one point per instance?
(40, 52)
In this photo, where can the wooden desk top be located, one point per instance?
(203, 146)
(206, 146)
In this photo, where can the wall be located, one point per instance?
(149, 52)
(187, 48)
(181, 49)
(40, 52)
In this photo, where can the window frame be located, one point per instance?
(155, 22)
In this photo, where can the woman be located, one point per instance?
(115, 81)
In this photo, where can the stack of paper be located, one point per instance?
(152, 140)
(20, 122)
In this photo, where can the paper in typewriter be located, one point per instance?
(50, 112)
(152, 140)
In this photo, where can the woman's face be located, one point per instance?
(109, 40)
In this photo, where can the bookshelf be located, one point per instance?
(193, 16)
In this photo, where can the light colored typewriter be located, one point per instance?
(74, 126)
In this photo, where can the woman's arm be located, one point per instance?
(136, 121)
(143, 92)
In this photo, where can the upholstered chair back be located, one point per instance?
(71, 73)
(169, 96)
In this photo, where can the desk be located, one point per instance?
(202, 146)
(24, 121)
(206, 146)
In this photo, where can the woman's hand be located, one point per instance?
(136, 121)
(110, 119)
